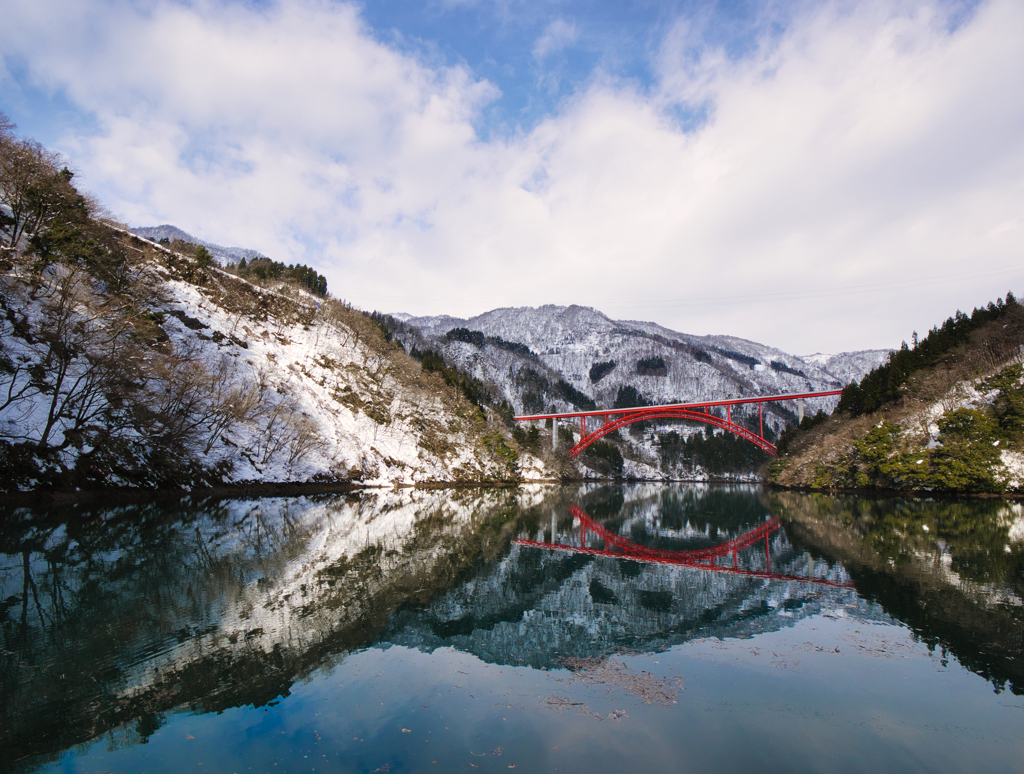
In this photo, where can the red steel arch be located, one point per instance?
(619, 547)
(613, 419)
(674, 413)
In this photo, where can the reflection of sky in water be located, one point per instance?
(391, 631)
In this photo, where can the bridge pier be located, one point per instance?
(554, 439)
(799, 410)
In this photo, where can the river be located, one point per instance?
(590, 628)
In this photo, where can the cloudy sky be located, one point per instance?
(819, 176)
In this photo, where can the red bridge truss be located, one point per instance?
(619, 547)
(613, 419)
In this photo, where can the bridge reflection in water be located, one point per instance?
(620, 547)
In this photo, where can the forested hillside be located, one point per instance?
(944, 413)
(124, 362)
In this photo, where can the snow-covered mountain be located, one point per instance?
(525, 352)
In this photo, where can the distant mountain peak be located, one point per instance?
(168, 231)
(566, 343)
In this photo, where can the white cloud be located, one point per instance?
(558, 35)
(863, 146)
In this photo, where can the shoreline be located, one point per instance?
(261, 489)
(258, 489)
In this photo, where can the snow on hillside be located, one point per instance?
(248, 383)
(567, 343)
(849, 366)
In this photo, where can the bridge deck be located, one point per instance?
(626, 416)
(683, 406)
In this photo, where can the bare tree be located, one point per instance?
(89, 360)
(35, 191)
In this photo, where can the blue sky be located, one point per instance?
(820, 176)
(539, 54)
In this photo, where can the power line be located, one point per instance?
(748, 298)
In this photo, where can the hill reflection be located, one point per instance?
(117, 617)
(568, 589)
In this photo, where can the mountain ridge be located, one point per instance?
(579, 358)
(167, 231)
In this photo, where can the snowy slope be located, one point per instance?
(281, 385)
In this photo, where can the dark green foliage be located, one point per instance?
(504, 409)
(267, 269)
(533, 403)
(495, 443)
(651, 366)
(204, 257)
(534, 386)
(884, 384)
(785, 369)
(600, 370)
(72, 237)
(35, 190)
(66, 241)
(476, 338)
(739, 357)
(700, 356)
(474, 390)
(511, 346)
(603, 457)
(65, 238)
(568, 393)
(717, 454)
(1008, 406)
(967, 459)
(629, 397)
(527, 439)
(793, 430)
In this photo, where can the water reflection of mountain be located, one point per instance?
(536, 606)
(114, 618)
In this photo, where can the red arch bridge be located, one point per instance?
(618, 547)
(713, 412)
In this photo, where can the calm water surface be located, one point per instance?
(559, 629)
